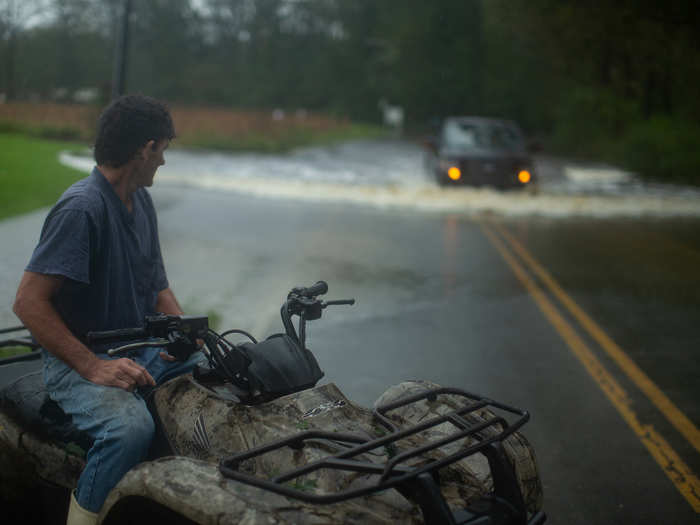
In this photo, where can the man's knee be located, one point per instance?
(133, 426)
(125, 421)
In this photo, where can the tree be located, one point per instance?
(15, 17)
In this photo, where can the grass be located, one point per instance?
(41, 131)
(214, 319)
(30, 174)
(9, 351)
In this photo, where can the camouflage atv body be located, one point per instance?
(198, 426)
(251, 439)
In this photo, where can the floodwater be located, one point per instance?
(390, 174)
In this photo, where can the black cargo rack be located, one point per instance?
(419, 484)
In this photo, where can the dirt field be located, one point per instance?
(222, 128)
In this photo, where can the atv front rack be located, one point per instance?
(418, 483)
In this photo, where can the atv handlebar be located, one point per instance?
(303, 301)
(114, 336)
(179, 334)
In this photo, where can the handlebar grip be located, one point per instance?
(339, 302)
(112, 336)
(319, 288)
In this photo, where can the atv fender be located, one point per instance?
(192, 490)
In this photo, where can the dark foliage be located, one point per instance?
(591, 78)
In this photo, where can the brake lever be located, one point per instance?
(134, 346)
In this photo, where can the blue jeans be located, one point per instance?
(117, 420)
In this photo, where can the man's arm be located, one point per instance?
(166, 303)
(34, 308)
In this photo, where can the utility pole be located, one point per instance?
(120, 53)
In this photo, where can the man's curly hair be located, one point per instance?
(126, 125)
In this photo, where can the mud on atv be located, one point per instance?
(250, 438)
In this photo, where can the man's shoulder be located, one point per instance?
(83, 195)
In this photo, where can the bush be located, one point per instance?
(663, 148)
(596, 124)
(590, 122)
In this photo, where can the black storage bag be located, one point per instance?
(279, 366)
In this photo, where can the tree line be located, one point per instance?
(615, 80)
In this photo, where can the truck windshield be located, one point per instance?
(469, 136)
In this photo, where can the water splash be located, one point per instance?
(391, 175)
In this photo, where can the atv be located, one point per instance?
(249, 437)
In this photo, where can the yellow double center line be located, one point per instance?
(678, 472)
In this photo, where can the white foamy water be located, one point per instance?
(391, 175)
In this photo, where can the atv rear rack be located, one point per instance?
(24, 341)
(418, 483)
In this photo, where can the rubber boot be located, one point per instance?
(77, 515)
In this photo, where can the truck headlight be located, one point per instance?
(524, 176)
(454, 173)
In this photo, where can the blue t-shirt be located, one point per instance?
(110, 257)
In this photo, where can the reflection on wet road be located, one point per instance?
(437, 300)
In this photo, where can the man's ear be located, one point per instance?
(151, 144)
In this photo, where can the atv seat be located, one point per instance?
(28, 403)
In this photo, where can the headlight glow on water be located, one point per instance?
(524, 176)
(454, 173)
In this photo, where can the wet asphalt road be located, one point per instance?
(437, 300)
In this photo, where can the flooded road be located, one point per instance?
(390, 174)
(569, 303)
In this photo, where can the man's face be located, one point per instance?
(153, 156)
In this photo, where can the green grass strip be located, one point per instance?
(30, 174)
(9, 351)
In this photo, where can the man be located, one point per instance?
(98, 266)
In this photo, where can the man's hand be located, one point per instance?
(121, 373)
(165, 356)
